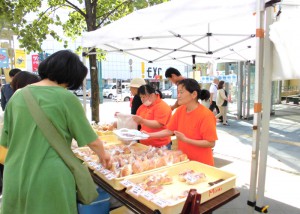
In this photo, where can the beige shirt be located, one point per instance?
(220, 97)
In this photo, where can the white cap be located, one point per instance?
(137, 82)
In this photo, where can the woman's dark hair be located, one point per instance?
(191, 85)
(221, 84)
(204, 94)
(23, 78)
(148, 89)
(170, 71)
(63, 67)
(13, 72)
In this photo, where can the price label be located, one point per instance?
(99, 167)
(147, 195)
(126, 183)
(160, 202)
(110, 176)
(105, 171)
(93, 164)
(86, 158)
(136, 190)
(190, 178)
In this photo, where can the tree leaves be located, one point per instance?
(65, 18)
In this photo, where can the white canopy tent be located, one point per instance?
(210, 30)
(214, 30)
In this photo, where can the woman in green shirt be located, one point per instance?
(36, 179)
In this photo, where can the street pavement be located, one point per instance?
(233, 153)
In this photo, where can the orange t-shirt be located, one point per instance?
(161, 112)
(199, 124)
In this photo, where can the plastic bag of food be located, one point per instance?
(125, 121)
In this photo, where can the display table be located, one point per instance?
(137, 207)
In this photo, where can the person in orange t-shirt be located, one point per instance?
(193, 124)
(153, 115)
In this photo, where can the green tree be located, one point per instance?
(87, 15)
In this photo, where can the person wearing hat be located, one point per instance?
(134, 86)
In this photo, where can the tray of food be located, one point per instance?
(103, 129)
(110, 139)
(167, 189)
(138, 162)
(86, 154)
(130, 134)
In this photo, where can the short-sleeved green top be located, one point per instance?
(36, 180)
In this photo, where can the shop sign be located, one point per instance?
(152, 72)
(3, 58)
(35, 62)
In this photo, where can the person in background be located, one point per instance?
(174, 76)
(153, 115)
(23, 79)
(136, 101)
(213, 89)
(222, 102)
(6, 90)
(193, 124)
(20, 80)
(36, 179)
(204, 97)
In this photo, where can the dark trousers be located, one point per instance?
(214, 106)
(1, 177)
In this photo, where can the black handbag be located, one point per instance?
(225, 101)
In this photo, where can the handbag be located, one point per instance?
(86, 188)
(3, 152)
(225, 101)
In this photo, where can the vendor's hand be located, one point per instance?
(105, 160)
(145, 132)
(180, 136)
(137, 119)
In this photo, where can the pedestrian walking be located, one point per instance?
(213, 89)
(222, 102)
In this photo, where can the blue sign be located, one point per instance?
(4, 58)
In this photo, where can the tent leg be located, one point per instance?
(267, 90)
(257, 103)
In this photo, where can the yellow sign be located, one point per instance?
(20, 59)
(143, 68)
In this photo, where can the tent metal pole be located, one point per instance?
(244, 93)
(234, 43)
(248, 71)
(260, 5)
(267, 91)
(240, 90)
(186, 40)
(208, 38)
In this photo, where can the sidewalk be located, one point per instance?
(233, 153)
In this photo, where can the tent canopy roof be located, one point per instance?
(210, 30)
